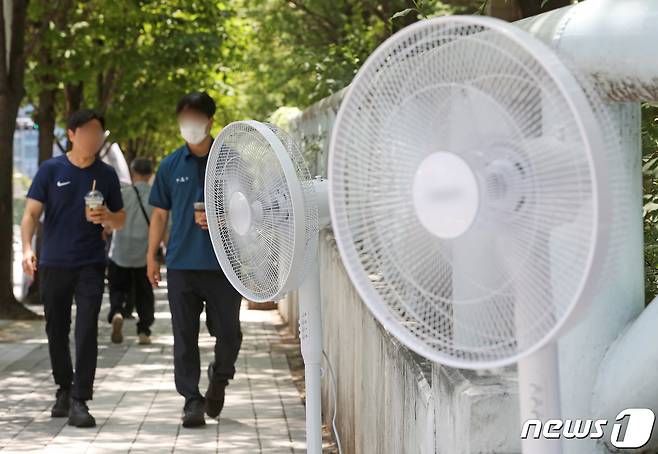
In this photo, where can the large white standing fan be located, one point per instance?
(264, 215)
(470, 198)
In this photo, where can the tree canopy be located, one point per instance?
(133, 59)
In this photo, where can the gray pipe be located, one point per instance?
(614, 41)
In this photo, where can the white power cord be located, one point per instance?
(335, 399)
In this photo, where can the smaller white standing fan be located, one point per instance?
(264, 215)
(471, 192)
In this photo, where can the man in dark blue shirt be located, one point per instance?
(72, 261)
(193, 273)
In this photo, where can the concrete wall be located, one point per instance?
(475, 412)
(385, 402)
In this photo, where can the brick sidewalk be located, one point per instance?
(135, 403)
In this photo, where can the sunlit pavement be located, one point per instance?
(135, 403)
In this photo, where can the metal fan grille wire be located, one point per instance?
(265, 165)
(536, 139)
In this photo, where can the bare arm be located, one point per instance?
(159, 218)
(109, 219)
(29, 223)
(115, 220)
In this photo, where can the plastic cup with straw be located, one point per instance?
(93, 200)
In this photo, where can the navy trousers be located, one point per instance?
(187, 292)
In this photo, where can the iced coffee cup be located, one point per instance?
(200, 213)
(93, 200)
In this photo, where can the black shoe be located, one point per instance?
(62, 401)
(79, 414)
(193, 413)
(215, 393)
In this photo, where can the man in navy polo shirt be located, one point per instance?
(72, 262)
(193, 273)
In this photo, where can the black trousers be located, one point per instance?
(58, 288)
(121, 281)
(188, 290)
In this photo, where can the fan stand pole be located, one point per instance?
(539, 396)
(310, 333)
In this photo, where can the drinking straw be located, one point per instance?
(93, 186)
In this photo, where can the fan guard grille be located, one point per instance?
(539, 142)
(264, 165)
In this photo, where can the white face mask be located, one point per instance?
(193, 132)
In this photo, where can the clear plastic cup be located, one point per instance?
(199, 212)
(93, 200)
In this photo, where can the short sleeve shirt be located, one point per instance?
(129, 244)
(177, 185)
(69, 240)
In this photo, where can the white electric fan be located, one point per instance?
(470, 196)
(264, 215)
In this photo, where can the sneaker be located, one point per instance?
(144, 339)
(215, 393)
(193, 413)
(62, 402)
(79, 414)
(117, 325)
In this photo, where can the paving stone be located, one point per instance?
(135, 403)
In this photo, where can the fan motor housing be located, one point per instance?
(446, 194)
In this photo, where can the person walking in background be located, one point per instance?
(79, 195)
(193, 273)
(127, 257)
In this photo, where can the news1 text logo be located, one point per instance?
(632, 428)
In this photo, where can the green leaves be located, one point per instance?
(650, 187)
(404, 12)
(134, 59)
(299, 51)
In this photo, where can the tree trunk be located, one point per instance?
(105, 85)
(45, 118)
(73, 92)
(74, 97)
(512, 10)
(12, 70)
(534, 7)
(130, 151)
